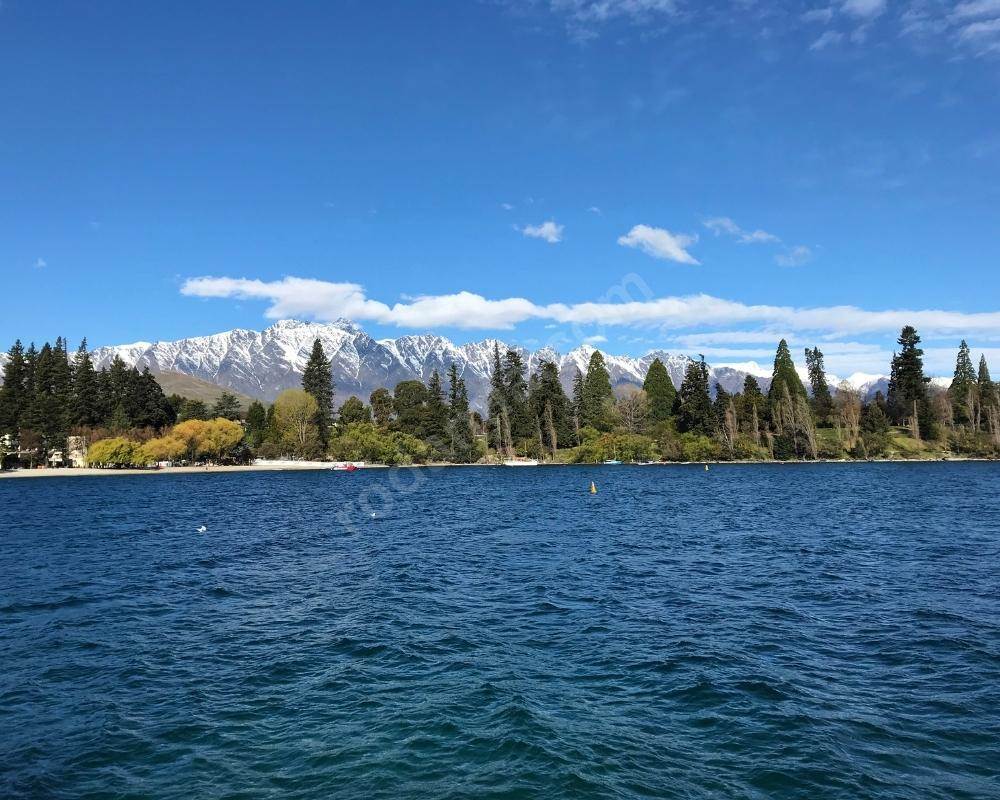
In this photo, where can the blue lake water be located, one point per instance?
(801, 631)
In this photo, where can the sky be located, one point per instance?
(634, 174)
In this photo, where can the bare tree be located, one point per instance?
(848, 418)
(633, 410)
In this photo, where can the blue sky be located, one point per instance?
(735, 171)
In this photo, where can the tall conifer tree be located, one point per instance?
(694, 410)
(598, 396)
(317, 380)
(659, 391)
(822, 400)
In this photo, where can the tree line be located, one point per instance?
(47, 395)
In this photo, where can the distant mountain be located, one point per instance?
(263, 363)
(196, 389)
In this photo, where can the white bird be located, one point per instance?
(202, 529)
(373, 515)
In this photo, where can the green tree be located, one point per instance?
(317, 379)
(227, 407)
(460, 433)
(86, 404)
(381, 404)
(822, 400)
(694, 410)
(750, 408)
(598, 396)
(577, 404)
(352, 411)
(874, 431)
(256, 424)
(784, 374)
(193, 409)
(964, 389)
(515, 393)
(148, 406)
(436, 419)
(659, 391)
(550, 407)
(498, 424)
(409, 402)
(14, 392)
(908, 400)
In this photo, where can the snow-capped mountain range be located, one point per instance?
(263, 363)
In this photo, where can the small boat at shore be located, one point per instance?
(612, 461)
(520, 462)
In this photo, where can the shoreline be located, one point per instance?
(313, 466)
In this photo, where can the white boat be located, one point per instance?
(520, 462)
(612, 461)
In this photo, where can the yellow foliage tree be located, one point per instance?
(295, 414)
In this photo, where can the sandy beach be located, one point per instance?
(82, 472)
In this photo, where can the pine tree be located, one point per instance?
(459, 421)
(497, 434)
(256, 424)
(750, 409)
(550, 407)
(598, 396)
(784, 374)
(659, 391)
(49, 416)
(720, 405)
(148, 406)
(577, 404)
(381, 404)
(86, 404)
(191, 409)
(317, 380)
(822, 400)
(227, 406)
(14, 392)
(989, 397)
(353, 411)
(964, 387)
(515, 393)
(694, 410)
(409, 402)
(908, 401)
(436, 425)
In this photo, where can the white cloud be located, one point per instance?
(827, 39)
(506, 206)
(661, 243)
(721, 225)
(794, 257)
(604, 10)
(596, 339)
(325, 300)
(548, 231)
(41, 263)
(594, 210)
(980, 30)
(976, 8)
(823, 15)
(864, 9)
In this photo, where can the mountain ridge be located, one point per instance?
(263, 363)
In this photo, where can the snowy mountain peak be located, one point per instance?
(264, 363)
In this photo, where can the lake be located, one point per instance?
(754, 631)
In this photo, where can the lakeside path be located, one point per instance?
(82, 472)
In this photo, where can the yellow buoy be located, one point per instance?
(593, 488)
